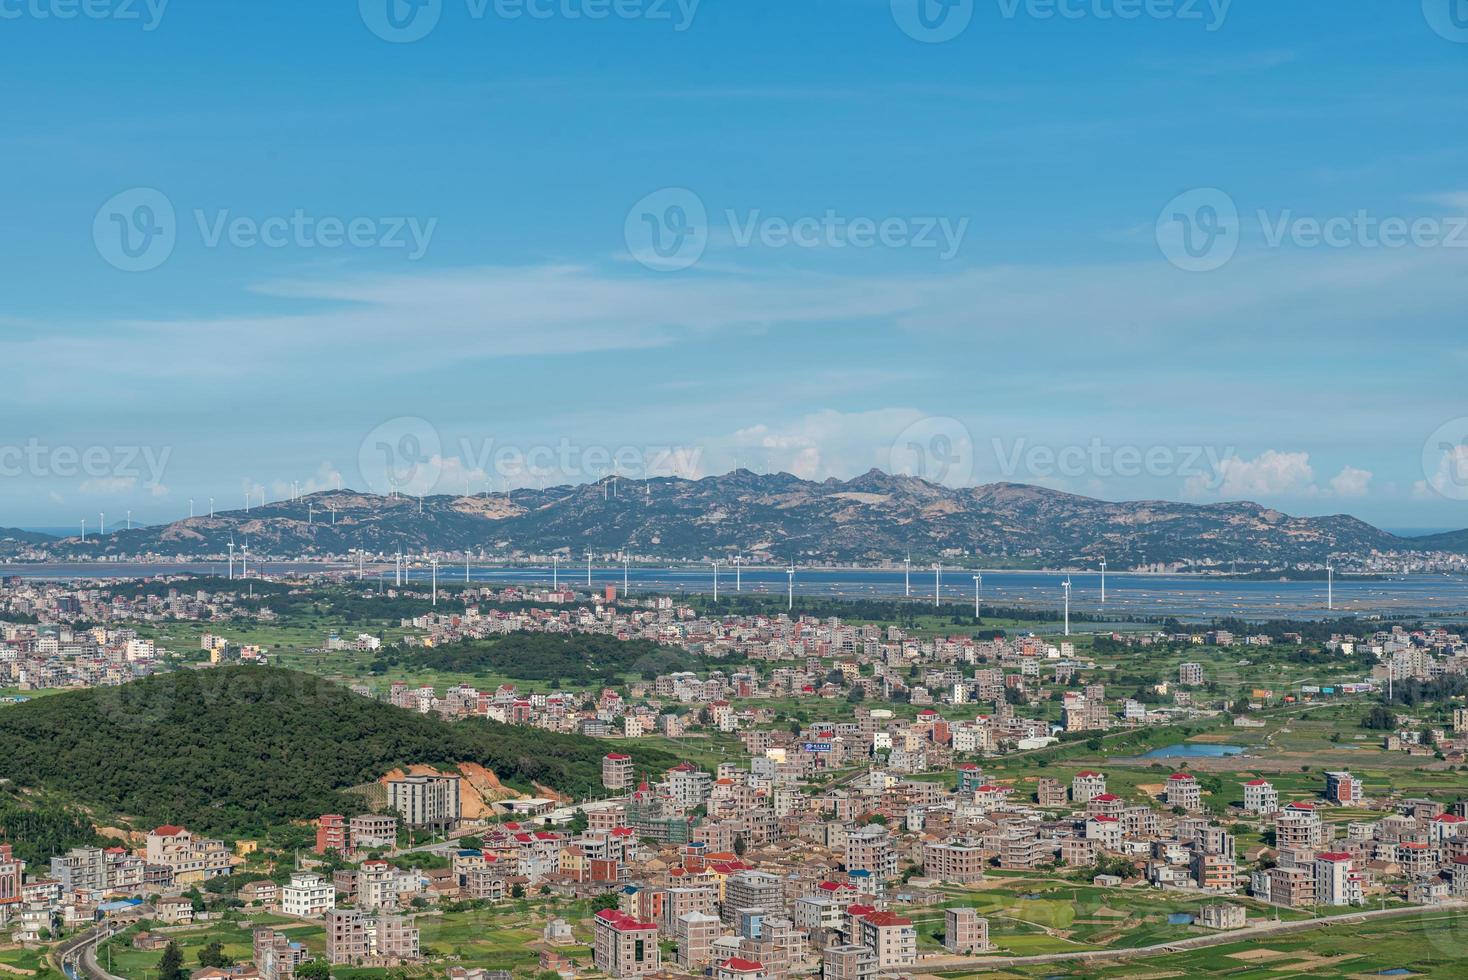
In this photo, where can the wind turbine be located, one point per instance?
(907, 576)
(790, 599)
(625, 590)
(1329, 585)
(434, 563)
(716, 580)
(937, 583)
(101, 524)
(978, 584)
(129, 520)
(555, 573)
(231, 559)
(245, 560)
(588, 568)
(1066, 586)
(738, 582)
(1103, 581)
(84, 530)
(191, 508)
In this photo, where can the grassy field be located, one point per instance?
(1428, 944)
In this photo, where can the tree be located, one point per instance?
(517, 890)
(1380, 718)
(171, 966)
(213, 955)
(856, 695)
(314, 970)
(739, 846)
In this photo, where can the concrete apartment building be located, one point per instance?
(869, 849)
(891, 938)
(695, 932)
(848, 962)
(1223, 916)
(1183, 790)
(81, 869)
(750, 890)
(1342, 789)
(623, 946)
(616, 771)
(1337, 882)
(1260, 797)
(1085, 786)
(1190, 674)
(956, 861)
(965, 931)
(1298, 825)
(425, 801)
(1050, 793)
(307, 896)
(191, 860)
(372, 830)
(332, 834)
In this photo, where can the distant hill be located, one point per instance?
(233, 750)
(778, 517)
(15, 535)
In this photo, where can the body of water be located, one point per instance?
(1129, 596)
(1194, 751)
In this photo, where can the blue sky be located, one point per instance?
(1071, 250)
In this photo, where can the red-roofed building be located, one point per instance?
(1183, 790)
(736, 968)
(891, 938)
(616, 771)
(624, 946)
(1260, 797)
(1446, 826)
(1337, 882)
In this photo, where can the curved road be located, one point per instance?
(77, 957)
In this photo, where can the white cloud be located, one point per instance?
(1351, 482)
(1271, 473)
(108, 485)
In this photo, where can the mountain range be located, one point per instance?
(776, 517)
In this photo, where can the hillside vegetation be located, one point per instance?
(234, 750)
(584, 658)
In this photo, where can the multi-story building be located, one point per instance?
(332, 834)
(848, 962)
(395, 940)
(891, 938)
(1260, 797)
(1214, 872)
(372, 830)
(955, 861)
(80, 869)
(1337, 882)
(190, 860)
(1190, 674)
(1342, 789)
(750, 890)
(12, 877)
(307, 896)
(1223, 916)
(1086, 786)
(346, 937)
(623, 946)
(425, 801)
(1183, 790)
(1298, 825)
(694, 933)
(870, 849)
(616, 771)
(1050, 793)
(965, 931)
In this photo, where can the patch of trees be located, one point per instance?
(577, 658)
(238, 750)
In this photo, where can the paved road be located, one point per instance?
(1182, 945)
(79, 953)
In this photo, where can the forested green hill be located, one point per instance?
(233, 750)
